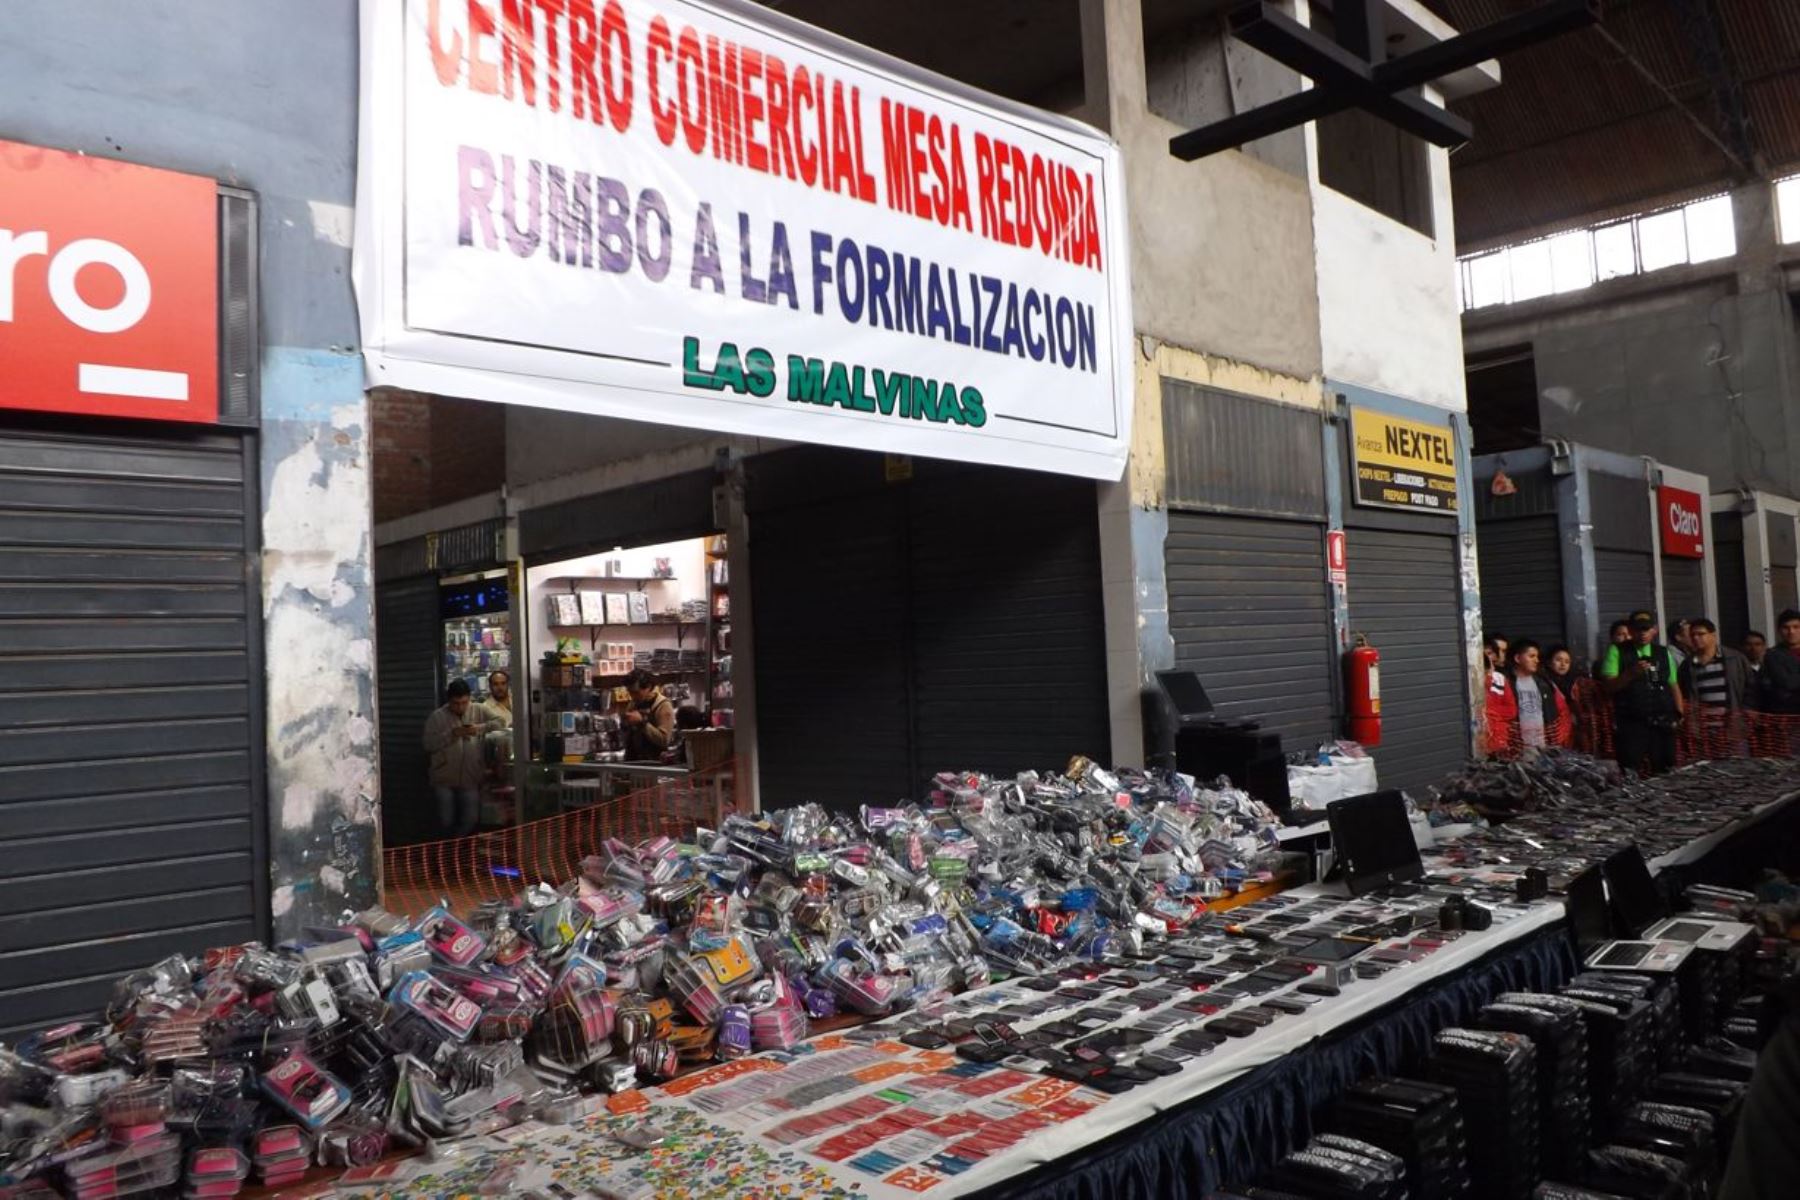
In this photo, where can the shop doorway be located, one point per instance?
(602, 630)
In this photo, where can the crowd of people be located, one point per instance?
(1643, 697)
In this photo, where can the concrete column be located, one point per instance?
(1758, 574)
(1112, 63)
(1575, 534)
(1758, 239)
(319, 638)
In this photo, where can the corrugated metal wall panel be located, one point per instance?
(661, 510)
(1624, 581)
(1405, 597)
(130, 819)
(1684, 588)
(408, 645)
(1251, 615)
(1009, 662)
(1522, 580)
(1234, 453)
(1535, 496)
(1621, 511)
(833, 717)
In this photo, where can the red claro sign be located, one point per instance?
(108, 287)
(1681, 515)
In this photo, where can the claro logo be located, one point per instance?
(117, 317)
(108, 287)
(1683, 522)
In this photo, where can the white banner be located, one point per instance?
(709, 215)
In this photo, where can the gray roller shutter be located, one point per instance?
(1522, 580)
(1782, 557)
(1728, 575)
(1009, 662)
(950, 620)
(131, 815)
(1684, 588)
(1249, 612)
(833, 712)
(1406, 598)
(1625, 581)
(408, 646)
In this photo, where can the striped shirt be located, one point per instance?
(1709, 684)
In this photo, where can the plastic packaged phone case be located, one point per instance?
(451, 941)
(442, 1008)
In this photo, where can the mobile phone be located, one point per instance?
(981, 1052)
(1040, 983)
(1157, 1065)
(1231, 1027)
(924, 1039)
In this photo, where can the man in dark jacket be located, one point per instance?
(1714, 677)
(1779, 683)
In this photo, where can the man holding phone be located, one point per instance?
(1640, 676)
(458, 765)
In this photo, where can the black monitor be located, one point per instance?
(1636, 903)
(1586, 905)
(1374, 841)
(1186, 693)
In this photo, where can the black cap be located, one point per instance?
(1643, 619)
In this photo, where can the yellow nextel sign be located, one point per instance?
(1403, 464)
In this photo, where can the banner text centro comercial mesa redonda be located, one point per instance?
(710, 215)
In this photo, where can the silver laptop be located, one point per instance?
(1702, 933)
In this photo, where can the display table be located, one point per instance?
(856, 1113)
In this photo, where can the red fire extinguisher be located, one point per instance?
(1362, 666)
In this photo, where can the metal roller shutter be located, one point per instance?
(1522, 580)
(832, 710)
(1009, 663)
(896, 637)
(1684, 588)
(1625, 581)
(408, 645)
(1249, 612)
(1782, 556)
(131, 819)
(1728, 575)
(1405, 597)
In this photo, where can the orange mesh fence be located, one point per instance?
(498, 864)
(1704, 734)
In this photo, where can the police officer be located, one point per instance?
(1647, 705)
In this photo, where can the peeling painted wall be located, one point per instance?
(318, 623)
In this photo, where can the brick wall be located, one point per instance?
(434, 450)
(401, 424)
(468, 448)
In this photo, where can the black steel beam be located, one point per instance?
(1705, 42)
(1332, 68)
(1361, 29)
(1277, 116)
(1344, 78)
